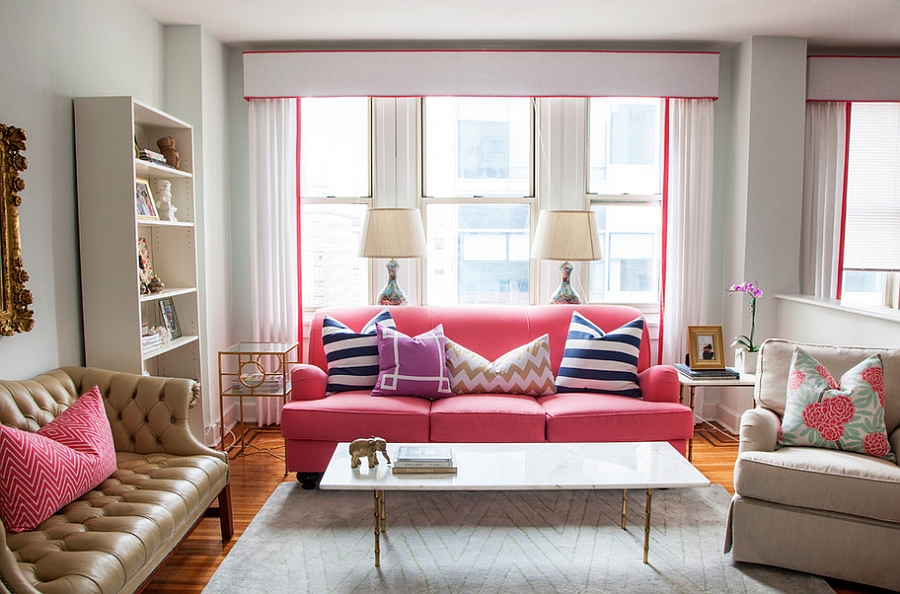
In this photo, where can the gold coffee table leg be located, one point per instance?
(647, 525)
(379, 524)
(624, 506)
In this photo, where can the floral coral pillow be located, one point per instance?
(821, 413)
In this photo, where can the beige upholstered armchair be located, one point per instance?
(822, 511)
(113, 538)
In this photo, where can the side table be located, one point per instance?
(254, 370)
(745, 380)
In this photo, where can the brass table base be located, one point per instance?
(381, 524)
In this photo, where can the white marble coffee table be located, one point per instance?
(525, 466)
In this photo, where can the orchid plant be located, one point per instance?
(745, 341)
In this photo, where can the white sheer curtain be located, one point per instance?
(823, 192)
(687, 224)
(273, 230)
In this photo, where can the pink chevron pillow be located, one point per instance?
(523, 370)
(44, 471)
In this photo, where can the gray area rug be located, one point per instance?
(493, 542)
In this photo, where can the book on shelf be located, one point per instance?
(151, 341)
(724, 373)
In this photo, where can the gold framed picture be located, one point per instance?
(705, 348)
(144, 205)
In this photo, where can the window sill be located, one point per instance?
(869, 311)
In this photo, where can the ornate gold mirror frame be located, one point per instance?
(14, 297)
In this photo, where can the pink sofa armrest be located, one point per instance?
(308, 382)
(659, 383)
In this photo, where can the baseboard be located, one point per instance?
(728, 418)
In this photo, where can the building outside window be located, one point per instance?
(335, 191)
(871, 249)
(478, 180)
(624, 171)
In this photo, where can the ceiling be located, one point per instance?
(697, 24)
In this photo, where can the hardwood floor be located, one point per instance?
(254, 478)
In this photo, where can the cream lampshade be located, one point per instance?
(392, 233)
(566, 235)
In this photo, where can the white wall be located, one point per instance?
(196, 90)
(54, 50)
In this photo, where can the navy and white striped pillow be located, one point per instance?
(352, 356)
(594, 361)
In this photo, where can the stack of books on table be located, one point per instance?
(424, 460)
(724, 373)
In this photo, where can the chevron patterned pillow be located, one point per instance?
(352, 356)
(594, 361)
(523, 370)
(41, 472)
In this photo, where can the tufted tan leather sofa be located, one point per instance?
(115, 537)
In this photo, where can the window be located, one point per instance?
(478, 184)
(335, 191)
(625, 157)
(478, 253)
(872, 218)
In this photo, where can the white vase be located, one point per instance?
(745, 361)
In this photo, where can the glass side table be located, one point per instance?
(746, 380)
(254, 370)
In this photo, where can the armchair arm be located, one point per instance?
(659, 383)
(759, 430)
(308, 382)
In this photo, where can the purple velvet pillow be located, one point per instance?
(412, 366)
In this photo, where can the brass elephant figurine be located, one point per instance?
(368, 447)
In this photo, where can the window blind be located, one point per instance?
(872, 227)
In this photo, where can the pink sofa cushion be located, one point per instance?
(349, 415)
(43, 471)
(412, 366)
(604, 417)
(487, 418)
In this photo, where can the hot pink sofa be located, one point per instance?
(313, 423)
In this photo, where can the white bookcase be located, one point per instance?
(114, 307)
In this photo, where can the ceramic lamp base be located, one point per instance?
(565, 294)
(392, 294)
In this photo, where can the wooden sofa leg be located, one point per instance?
(226, 516)
(224, 512)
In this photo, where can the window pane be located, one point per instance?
(630, 240)
(478, 253)
(334, 147)
(332, 272)
(864, 288)
(625, 146)
(477, 146)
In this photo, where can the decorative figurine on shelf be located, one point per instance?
(155, 285)
(368, 447)
(164, 204)
(166, 146)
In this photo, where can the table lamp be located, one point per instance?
(392, 233)
(566, 235)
